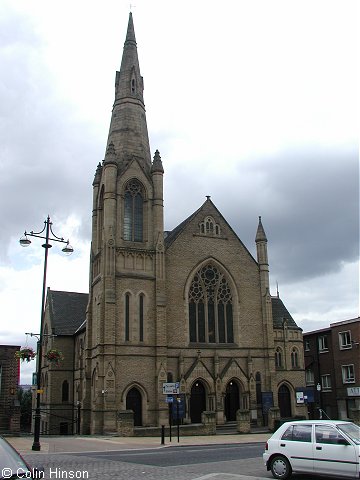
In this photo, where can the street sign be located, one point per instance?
(171, 388)
(169, 399)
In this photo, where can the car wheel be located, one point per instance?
(280, 467)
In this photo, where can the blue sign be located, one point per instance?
(169, 399)
(267, 401)
(308, 394)
(178, 407)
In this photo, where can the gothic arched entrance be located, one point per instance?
(197, 401)
(134, 403)
(284, 400)
(232, 401)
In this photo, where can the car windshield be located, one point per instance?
(11, 464)
(351, 430)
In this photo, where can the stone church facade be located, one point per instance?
(191, 305)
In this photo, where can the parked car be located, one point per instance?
(323, 447)
(13, 466)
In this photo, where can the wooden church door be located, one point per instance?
(133, 402)
(284, 401)
(232, 401)
(197, 402)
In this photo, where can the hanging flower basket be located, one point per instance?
(54, 356)
(25, 354)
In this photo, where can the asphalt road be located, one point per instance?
(185, 455)
(200, 462)
(232, 461)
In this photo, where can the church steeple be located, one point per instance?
(128, 129)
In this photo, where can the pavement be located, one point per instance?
(79, 443)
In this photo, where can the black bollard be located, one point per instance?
(162, 434)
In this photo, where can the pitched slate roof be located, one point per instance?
(280, 313)
(67, 311)
(173, 234)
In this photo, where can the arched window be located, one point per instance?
(258, 388)
(127, 317)
(278, 357)
(65, 391)
(294, 358)
(210, 307)
(133, 211)
(141, 318)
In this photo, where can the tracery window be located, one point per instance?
(210, 307)
(209, 227)
(133, 211)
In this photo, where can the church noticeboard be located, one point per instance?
(267, 401)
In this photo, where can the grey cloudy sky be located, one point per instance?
(253, 103)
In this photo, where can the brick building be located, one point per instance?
(9, 382)
(332, 370)
(191, 305)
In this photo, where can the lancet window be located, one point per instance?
(210, 307)
(133, 211)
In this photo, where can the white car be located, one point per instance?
(323, 447)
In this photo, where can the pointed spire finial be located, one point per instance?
(260, 234)
(130, 34)
(157, 165)
(97, 176)
(110, 156)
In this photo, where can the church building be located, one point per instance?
(189, 307)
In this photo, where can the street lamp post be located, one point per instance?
(25, 242)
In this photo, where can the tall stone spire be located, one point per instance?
(128, 129)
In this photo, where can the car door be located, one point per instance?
(296, 444)
(331, 456)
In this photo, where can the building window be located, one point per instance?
(127, 317)
(326, 382)
(294, 358)
(133, 211)
(345, 340)
(210, 307)
(323, 343)
(65, 391)
(278, 358)
(307, 345)
(309, 376)
(141, 318)
(348, 373)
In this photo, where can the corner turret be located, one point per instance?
(262, 257)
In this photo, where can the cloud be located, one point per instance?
(254, 105)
